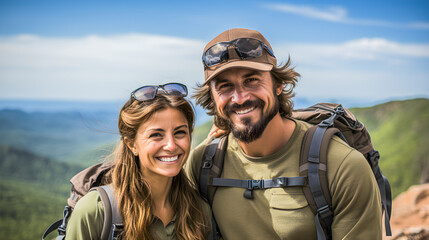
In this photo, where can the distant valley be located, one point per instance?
(41, 150)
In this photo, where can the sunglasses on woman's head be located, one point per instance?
(246, 48)
(149, 92)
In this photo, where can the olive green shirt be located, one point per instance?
(86, 221)
(283, 213)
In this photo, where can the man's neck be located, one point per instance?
(275, 136)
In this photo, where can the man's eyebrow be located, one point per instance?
(258, 73)
(218, 81)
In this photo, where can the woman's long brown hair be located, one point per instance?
(133, 191)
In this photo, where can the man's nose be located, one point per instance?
(240, 95)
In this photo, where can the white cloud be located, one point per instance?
(370, 68)
(339, 14)
(334, 14)
(94, 67)
(110, 67)
(364, 49)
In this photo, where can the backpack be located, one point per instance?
(91, 179)
(328, 119)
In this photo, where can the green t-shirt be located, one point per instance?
(86, 221)
(283, 213)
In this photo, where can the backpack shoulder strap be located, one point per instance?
(212, 166)
(313, 163)
(112, 217)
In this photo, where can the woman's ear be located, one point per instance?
(129, 144)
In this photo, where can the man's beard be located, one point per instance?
(252, 131)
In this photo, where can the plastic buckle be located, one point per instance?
(207, 164)
(329, 121)
(374, 156)
(324, 211)
(339, 110)
(254, 184)
(281, 181)
(117, 229)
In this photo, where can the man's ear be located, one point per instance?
(279, 88)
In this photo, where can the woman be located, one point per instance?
(155, 199)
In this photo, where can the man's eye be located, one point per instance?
(252, 80)
(225, 86)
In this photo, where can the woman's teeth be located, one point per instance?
(168, 159)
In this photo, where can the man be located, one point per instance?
(250, 96)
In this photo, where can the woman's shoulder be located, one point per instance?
(90, 204)
(86, 221)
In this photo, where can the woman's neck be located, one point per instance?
(160, 189)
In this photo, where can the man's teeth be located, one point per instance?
(168, 159)
(245, 110)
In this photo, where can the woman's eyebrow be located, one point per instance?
(181, 126)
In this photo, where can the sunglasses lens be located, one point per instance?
(216, 54)
(248, 48)
(176, 89)
(145, 93)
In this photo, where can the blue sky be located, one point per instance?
(102, 50)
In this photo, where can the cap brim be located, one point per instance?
(265, 67)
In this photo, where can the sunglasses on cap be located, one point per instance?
(246, 48)
(149, 92)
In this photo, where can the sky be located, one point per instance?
(102, 50)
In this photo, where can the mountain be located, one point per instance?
(400, 132)
(64, 136)
(34, 184)
(34, 190)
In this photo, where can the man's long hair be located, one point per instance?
(284, 75)
(133, 191)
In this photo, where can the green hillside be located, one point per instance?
(34, 191)
(201, 132)
(400, 132)
(65, 136)
(34, 188)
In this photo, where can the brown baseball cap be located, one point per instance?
(264, 63)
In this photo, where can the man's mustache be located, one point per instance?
(247, 104)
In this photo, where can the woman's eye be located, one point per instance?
(154, 135)
(181, 133)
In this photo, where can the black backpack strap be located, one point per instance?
(212, 166)
(215, 230)
(323, 211)
(251, 184)
(313, 163)
(384, 187)
(61, 225)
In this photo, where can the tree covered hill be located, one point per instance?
(400, 132)
(66, 136)
(34, 190)
(34, 186)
